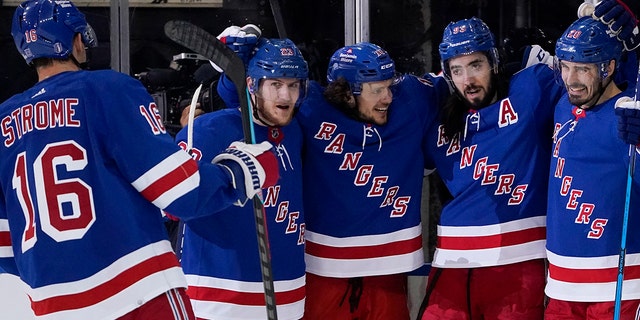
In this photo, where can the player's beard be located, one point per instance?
(487, 99)
(276, 116)
(379, 118)
(588, 101)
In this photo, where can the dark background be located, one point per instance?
(316, 26)
(409, 29)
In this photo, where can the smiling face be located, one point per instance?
(472, 77)
(374, 100)
(582, 81)
(276, 99)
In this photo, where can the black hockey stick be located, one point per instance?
(277, 16)
(200, 41)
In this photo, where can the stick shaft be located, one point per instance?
(625, 218)
(200, 41)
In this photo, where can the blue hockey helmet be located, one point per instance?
(360, 63)
(277, 58)
(465, 37)
(588, 41)
(45, 29)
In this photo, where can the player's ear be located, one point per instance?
(351, 100)
(77, 40)
(79, 51)
(612, 66)
(250, 85)
(607, 68)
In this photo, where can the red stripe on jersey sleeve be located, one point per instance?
(170, 180)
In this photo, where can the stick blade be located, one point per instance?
(200, 41)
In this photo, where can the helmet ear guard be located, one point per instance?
(89, 37)
(251, 86)
(603, 70)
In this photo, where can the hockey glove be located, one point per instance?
(241, 40)
(628, 112)
(251, 167)
(620, 20)
(535, 54)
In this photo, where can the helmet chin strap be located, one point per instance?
(256, 114)
(84, 65)
(254, 104)
(600, 93)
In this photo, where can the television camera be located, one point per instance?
(173, 88)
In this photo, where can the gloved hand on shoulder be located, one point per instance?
(628, 112)
(251, 167)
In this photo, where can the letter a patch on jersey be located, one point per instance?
(507, 115)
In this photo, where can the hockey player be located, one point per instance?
(491, 150)
(84, 160)
(587, 182)
(362, 185)
(220, 254)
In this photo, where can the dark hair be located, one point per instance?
(338, 93)
(42, 62)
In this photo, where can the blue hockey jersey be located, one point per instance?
(587, 188)
(85, 168)
(496, 172)
(363, 183)
(220, 255)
